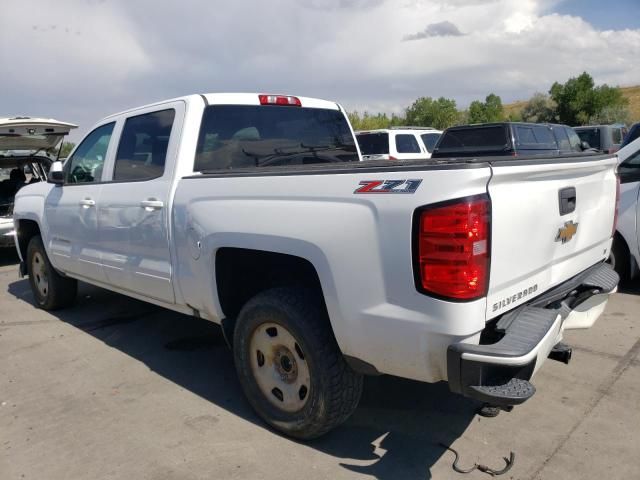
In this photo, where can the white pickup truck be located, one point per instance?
(254, 212)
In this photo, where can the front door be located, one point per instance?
(134, 213)
(71, 209)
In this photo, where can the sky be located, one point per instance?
(81, 60)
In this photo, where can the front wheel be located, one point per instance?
(290, 366)
(50, 289)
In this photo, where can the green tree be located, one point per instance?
(475, 113)
(368, 121)
(66, 149)
(539, 109)
(514, 116)
(427, 112)
(491, 110)
(609, 115)
(578, 100)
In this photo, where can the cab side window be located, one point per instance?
(142, 152)
(87, 162)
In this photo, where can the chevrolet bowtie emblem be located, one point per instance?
(567, 232)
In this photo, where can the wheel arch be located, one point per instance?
(26, 229)
(242, 273)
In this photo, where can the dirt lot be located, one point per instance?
(115, 388)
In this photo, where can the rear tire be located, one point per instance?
(619, 258)
(50, 289)
(290, 366)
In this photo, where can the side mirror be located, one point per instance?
(584, 145)
(56, 173)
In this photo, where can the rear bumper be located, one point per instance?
(499, 372)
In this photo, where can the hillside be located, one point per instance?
(632, 93)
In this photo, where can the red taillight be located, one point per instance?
(615, 215)
(452, 248)
(280, 100)
(391, 157)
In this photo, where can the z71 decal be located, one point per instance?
(388, 186)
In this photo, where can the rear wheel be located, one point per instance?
(290, 366)
(50, 289)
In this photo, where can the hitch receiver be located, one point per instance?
(561, 352)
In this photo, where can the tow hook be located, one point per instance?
(561, 352)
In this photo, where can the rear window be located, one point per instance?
(481, 138)
(373, 143)
(563, 140)
(574, 139)
(407, 143)
(591, 136)
(535, 137)
(430, 140)
(245, 136)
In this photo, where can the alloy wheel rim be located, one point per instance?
(279, 367)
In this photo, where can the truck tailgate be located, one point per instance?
(537, 244)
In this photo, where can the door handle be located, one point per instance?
(151, 204)
(87, 202)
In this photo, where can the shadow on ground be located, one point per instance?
(395, 433)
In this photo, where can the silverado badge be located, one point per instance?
(567, 232)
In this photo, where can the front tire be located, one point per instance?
(50, 289)
(290, 366)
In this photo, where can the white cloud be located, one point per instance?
(80, 60)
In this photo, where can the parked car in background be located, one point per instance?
(604, 138)
(634, 133)
(28, 146)
(625, 252)
(397, 143)
(507, 138)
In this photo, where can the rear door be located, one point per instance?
(551, 219)
(133, 211)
